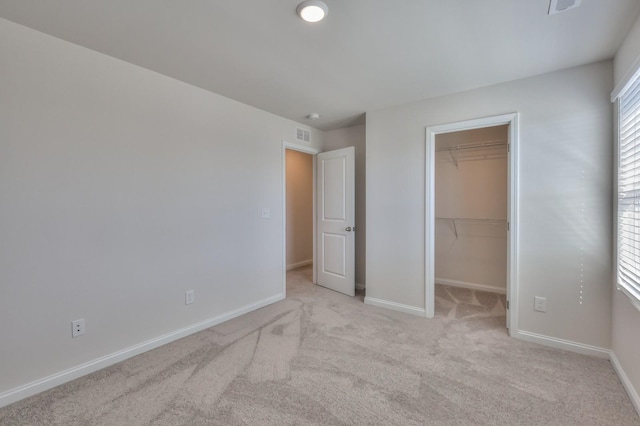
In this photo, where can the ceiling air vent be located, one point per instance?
(557, 6)
(303, 135)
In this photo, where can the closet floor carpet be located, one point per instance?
(323, 358)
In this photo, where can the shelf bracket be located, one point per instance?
(453, 158)
(455, 227)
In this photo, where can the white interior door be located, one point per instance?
(336, 220)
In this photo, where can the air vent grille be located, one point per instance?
(303, 135)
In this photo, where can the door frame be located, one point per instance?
(512, 207)
(313, 152)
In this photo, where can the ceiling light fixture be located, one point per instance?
(312, 10)
(313, 116)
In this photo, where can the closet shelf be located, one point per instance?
(455, 220)
(453, 149)
(474, 145)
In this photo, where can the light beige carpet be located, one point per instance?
(322, 358)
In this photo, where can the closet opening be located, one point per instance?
(470, 219)
(471, 222)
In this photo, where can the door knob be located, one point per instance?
(348, 229)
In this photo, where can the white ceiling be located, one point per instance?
(366, 55)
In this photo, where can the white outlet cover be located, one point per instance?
(266, 213)
(77, 328)
(189, 297)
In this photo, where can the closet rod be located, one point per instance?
(454, 221)
(475, 220)
(487, 144)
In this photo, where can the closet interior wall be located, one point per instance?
(299, 193)
(471, 172)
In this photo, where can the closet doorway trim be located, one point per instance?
(512, 205)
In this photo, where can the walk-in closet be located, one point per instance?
(471, 195)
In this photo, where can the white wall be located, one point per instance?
(565, 197)
(299, 208)
(471, 183)
(627, 59)
(355, 136)
(120, 189)
(625, 343)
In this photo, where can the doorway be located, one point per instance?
(459, 222)
(299, 226)
(333, 216)
(312, 152)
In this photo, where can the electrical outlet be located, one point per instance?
(266, 213)
(189, 297)
(540, 304)
(77, 328)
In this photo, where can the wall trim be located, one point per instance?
(626, 382)
(558, 343)
(46, 383)
(413, 310)
(299, 264)
(470, 285)
(586, 350)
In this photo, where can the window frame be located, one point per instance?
(632, 87)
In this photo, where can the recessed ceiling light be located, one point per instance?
(312, 10)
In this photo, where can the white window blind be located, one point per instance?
(629, 192)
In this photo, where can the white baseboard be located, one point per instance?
(587, 350)
(628, 386)
(360, 286)
(470, 285)
(395, 306)
(65, 376)
(300, 264)
(568, 345)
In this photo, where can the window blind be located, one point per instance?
(629, 191)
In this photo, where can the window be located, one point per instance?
(628, 253)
